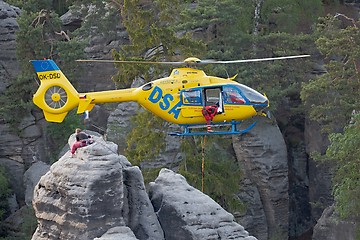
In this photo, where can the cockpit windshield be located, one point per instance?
(252, 95)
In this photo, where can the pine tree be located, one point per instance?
(222, 174)
(344, 152)
(150, 25)
(331, 97)
(4, 194)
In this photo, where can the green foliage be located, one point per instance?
(223, 25)
(29, 224)
(100, 18)
(60, 6)
(58, 133)
(15, 101)
(152, 37)
(150, 174)
(4, 191)
(344, 152)
(331, 97)
(221, 173)
(4, 194)
(290, 16)
(146, 139)
(280, 80)
(31, 5)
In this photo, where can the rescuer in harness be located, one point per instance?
(82, 140)
(209, 113)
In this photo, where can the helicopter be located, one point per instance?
(179, 98)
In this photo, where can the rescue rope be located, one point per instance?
(203, 162)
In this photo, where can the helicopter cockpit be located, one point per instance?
(219, 95)
(251, 95)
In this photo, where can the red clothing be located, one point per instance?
(82, 140)
(77, 145)
(209, 113)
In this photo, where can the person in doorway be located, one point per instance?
(82, 140)
(209, 113)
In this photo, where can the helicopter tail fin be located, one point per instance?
(56, 96)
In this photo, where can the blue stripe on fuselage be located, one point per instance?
(44, 65)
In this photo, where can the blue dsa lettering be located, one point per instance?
(164, 101)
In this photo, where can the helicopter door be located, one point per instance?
(192, 103)
(213, 96)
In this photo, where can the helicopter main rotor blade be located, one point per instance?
(130, 62)
(255, 60)
(194, 61)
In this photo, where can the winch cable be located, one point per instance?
(203, 162)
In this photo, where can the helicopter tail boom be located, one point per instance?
(56, 96)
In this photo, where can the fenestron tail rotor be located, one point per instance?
(55, 97)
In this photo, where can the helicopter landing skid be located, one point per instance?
(188, 129)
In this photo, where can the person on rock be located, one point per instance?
(82, 140)
(209, 113)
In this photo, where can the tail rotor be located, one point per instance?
(55, 96)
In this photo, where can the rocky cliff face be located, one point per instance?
(262, 155)
(19, 148)
(99, 195)
(331, 227)
(9, 67)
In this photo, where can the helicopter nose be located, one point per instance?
(261, 106)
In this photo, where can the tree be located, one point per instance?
(290, 16)
(331, 97)
(4, 194)
(60, 6)
(222, 174)
(344, 152)
(145, 141)
(150, 26)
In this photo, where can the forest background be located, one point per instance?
(324, 88)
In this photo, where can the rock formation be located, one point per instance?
(99, 195)
(9, 66)
(32, 177)
(186, 213)
(263, 158)
(330, 227)
(16, 152)
(83, 197)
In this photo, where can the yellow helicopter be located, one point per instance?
(180, 98)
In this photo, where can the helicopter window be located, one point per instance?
(147, 86)
(212, 96)
(192, 97)
(251, 94)
(232, 95)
